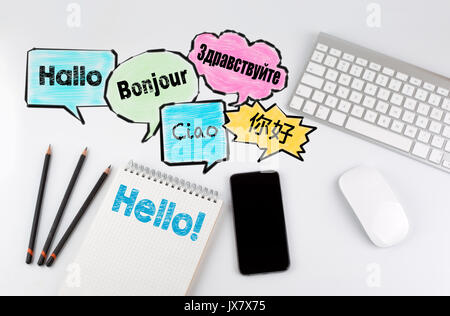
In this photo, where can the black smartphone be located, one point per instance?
(259, 223)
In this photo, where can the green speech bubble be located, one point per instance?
(137, 88)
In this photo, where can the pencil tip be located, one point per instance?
(29, 258)
(41, 261)
(50, 262)
(108, 170)
(49, 150)
(85, 151)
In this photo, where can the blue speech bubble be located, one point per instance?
(194, 133)
(68, 79)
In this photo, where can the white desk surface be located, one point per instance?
(330, 253)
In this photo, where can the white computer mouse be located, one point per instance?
(375, 205)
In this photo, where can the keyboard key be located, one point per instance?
(446, 132)
(343, 66)
(388, 71)
(355, 97)
(380, 134)
(369, 102)
(344, 79)
(362, 62)
(369, 75)
(429, 86)
(375, 66)
(384, 121)
(310, 107)
(322, 47)
(358, 111)
(304, 91)
(447, 147)
(421, 94)
(415, 81)
(423, 109)
(316, 69)
(383, 94)
(331, 101)
(437, 142)
(436, 156)
(335, 52)
(397, 99)
(447, 119)
(434, 99)
(408, 90)
(348, 57)
(397, 126)
(337, 118)
(370, 116)
(446, 104)
(312, 81)
(323, 112)
(318, 96)
(395, 85)
(332, 75)
(436, 114)
(356, 71)
(344, 106)
(446, 164)
(421, 150)
(424, 137)
(401, 76)
(442, 91)
(297, 103)
(382, 80)
(422, 122)
(382, 107)
(370, 89)
(329, 87)
(409, 117)
(357, 84)
(343, 92)
(411, 131)
(330, 61)
(435, 127)
(410, 104)
(395, 112)
(318, 56)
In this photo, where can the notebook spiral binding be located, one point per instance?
(174, 182)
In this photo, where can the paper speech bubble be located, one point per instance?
(231, 64)
(270, 130)
(137, 88)
(68, 79)
(194, 133)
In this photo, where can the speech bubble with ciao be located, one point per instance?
(230, 63)
(194, 133)
(68, 78)
(137, 88)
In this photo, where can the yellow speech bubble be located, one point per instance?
(271, 130)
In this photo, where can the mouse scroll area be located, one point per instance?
(375, 205)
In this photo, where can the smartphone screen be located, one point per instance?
(259, 223)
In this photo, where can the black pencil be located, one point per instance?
(78, 217)
(61, 209)
(37, 210)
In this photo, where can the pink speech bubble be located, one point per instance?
(231, 64)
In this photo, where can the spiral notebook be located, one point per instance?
(147, 238)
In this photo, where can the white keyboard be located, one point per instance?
(378, 98)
